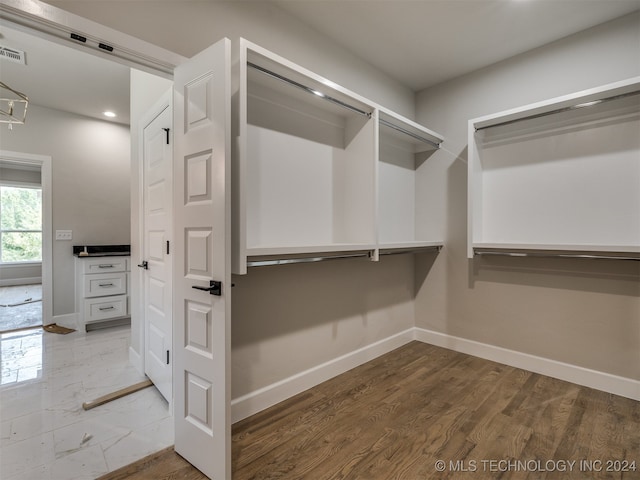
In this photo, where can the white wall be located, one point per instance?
(90, 184)
(582, 312)
(287, 319)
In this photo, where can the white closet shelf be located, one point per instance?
(283, 256)
(322, 171)
(617, 98)
(307, 249)
(558, 177)
(270, 257)
(283, 251)
(407, 130)
(285, 78)
(403, 149)
(416, 244)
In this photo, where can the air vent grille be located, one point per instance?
(12, 55)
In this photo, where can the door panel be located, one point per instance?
(202, 237)
(158, 196)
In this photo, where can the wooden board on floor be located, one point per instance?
(22, 329)
(117, 394)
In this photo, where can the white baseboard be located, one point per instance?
(12, 282)
(265, 397)
(70, 320)
(625, 387)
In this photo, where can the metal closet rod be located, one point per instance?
(321, 258)
(289, 261)
(400, 251)
(555, 255)
(407, 132)
(561, 110)
(310, 90)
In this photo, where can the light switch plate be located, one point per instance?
(64, 235)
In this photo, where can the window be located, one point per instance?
(20, 224)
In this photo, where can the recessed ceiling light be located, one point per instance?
(109, 114)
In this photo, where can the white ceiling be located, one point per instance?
(418, 42)
(424, 42)
(64, 78)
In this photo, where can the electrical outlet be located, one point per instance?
(64, 235)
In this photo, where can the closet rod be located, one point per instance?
(556, 255)
(310, 90)
(560, 110)
(289, 261)
(399, 251)
(411, 134)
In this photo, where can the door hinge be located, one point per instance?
(167, 132)
(167, 247)
(167, 357)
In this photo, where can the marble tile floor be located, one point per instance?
(24, 315)
(44, 432)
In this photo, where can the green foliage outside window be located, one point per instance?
(20, 224)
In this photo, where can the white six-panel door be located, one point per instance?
(157, 201)
(202, 106)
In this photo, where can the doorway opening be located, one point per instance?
(25, 244)
(20, 248)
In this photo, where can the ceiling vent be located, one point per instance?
(16, 56)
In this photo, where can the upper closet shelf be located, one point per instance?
(615, 100)
(559, 177)
(285, 80)
(309, 174)
(307, 249)
(404, 129)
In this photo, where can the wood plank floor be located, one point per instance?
(396, 416)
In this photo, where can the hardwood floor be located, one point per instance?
(398, 415)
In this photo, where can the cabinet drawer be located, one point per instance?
(102, 284)
(105, 264)
(105, 307)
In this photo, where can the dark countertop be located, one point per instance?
(102, 251)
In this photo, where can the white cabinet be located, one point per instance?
(102, 289)
(105, 284)
(558, 176)
(307, 180)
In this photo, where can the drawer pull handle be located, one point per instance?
(102, 309)
(106, 266)
(105, 284)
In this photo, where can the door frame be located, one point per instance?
(44, 162)
(56, 25)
